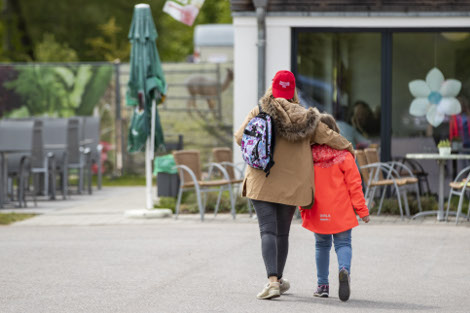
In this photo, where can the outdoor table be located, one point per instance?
(4, 150)
(441, 160)
(55, 146)
(85, 142)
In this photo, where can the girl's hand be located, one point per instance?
(366, 219)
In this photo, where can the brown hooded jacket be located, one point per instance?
(296, 129)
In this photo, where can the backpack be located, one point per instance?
(258, 142)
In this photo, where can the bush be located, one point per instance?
(428, 203)
(390, 205)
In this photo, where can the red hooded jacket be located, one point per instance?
(338, 192)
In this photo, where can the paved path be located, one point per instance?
(187, 266)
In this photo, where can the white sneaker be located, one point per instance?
(271, 290)
(284, 285)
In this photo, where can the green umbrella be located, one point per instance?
(146, 82)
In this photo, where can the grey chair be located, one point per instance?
(62, 139)
(90, 141)
(17, 157)
(30, 160)
(76, 155)
(55, 144)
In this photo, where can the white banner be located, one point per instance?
(184, 11)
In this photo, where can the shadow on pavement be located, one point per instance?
(360, 303)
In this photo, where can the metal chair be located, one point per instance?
(62, 140)
(382, 175)
(76, 155)
(419, 172)
(24, 136)
(55, 144)
(459, 187)
(189, 169)
(404, 175)
(403, 145)
(236, 172)
(90, 139)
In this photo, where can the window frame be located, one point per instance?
(386, 57)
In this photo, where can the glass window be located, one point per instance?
(339, 73)
(438, 63)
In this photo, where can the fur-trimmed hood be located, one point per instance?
(291, 120)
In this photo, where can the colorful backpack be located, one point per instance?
(258, 142)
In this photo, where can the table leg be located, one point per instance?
(454, 168)
(440, 213)
(3, 175)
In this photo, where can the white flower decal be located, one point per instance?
(435, 97)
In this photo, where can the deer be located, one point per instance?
(200, 85)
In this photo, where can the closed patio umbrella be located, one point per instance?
(146, 89)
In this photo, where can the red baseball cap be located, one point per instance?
(283, 85)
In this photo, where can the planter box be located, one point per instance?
(445, 151)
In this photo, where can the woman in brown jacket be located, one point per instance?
(290, 182)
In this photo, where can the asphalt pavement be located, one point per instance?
(187, 266)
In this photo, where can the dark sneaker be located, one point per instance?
(344, 281)
(322, 291)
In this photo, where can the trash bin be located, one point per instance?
(167, 176)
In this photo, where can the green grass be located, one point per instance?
(8, 218)
(125, 180)
(108, 181)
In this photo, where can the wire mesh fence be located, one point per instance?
(198, 104)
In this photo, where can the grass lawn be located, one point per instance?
(8, 218)
(126, 180)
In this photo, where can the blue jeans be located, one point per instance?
(322, 252)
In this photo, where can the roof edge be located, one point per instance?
(356, 14)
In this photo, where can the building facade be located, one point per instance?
(357, 60)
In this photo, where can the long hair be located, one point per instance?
(330, 121)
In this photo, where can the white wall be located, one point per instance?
(278, 48)
(245, 62)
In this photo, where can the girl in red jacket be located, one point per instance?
(338, 193)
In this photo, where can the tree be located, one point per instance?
(9, 100)
(108, 45)
(61, 91)
(79, 25)
(49, 50)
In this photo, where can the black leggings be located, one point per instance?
(274, 224)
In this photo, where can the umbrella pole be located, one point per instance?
(148, 175)
(149, 156)
(152, 129)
